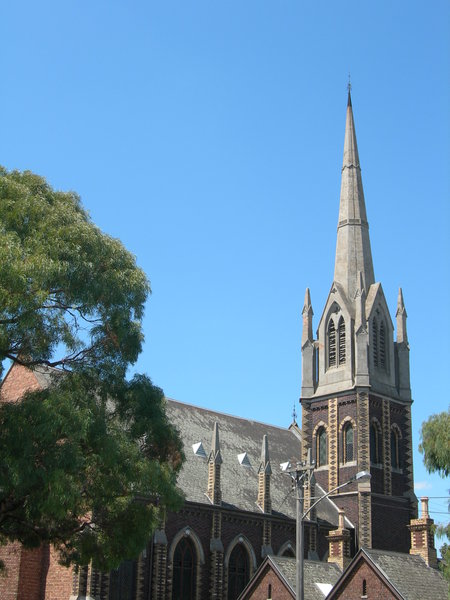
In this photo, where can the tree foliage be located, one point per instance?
(434, 445)
(90, 460)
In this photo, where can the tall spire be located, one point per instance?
(353, 254)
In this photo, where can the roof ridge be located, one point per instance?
(218, 412)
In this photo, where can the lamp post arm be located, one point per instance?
(326, 496)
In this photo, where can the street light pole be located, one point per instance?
(300, 542)
(304, 473)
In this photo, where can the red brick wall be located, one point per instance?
(353, 589)
(30, 577)
(9, 583)
(260, 590)
(18, 380)
(59, 579)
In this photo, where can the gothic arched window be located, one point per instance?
(341, 334)
(122, 581)
(374, 444)
(395, 449)
(348, 442)
(331, 344)
(184, 571)
(321, 447)
(238, 571)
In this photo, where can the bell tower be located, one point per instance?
(356, 396)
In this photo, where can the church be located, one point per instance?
(240, 507)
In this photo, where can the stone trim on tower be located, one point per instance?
(333, 444)
(364, 498)
(386, 432)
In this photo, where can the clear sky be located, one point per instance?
(208, 137)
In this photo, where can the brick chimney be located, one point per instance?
(422, 536)
(339, 544)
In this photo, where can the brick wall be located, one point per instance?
(17, 381)
(58, 580)
(30, 576)
(10, 555)
(260, 588)
(375, 588)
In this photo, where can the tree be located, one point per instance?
(435, 436)
(434, 445)
(89, 461)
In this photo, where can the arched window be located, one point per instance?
(289, 553)
(374, 444)
(269, 592)
(375, 342)
(395, 449)
(184, 571)
(122, 581)
(348, 442)
(341, 334)
(331, 344)
(364, 587)
(238, 571)
(321, 447)
(382, 347)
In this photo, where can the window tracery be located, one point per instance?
(321, 447)
(184, 571)
(348, 439)
(238, 571)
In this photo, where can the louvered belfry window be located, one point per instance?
(331, 344)
(341, 331)
(375, 342)
(382, 347)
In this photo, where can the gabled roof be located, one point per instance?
(318, 576)
(239, 484)
(407, 575)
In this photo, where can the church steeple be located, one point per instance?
(353, 253)
(356, 396)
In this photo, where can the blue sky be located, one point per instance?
(208, 137)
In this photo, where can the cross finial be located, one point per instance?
(349, 84)
(294, 414)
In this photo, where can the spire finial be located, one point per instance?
(349, 88)
(214, 455)
(294, 414)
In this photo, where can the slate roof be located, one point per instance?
(409, 574)
(314, 573)
(239, 484)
